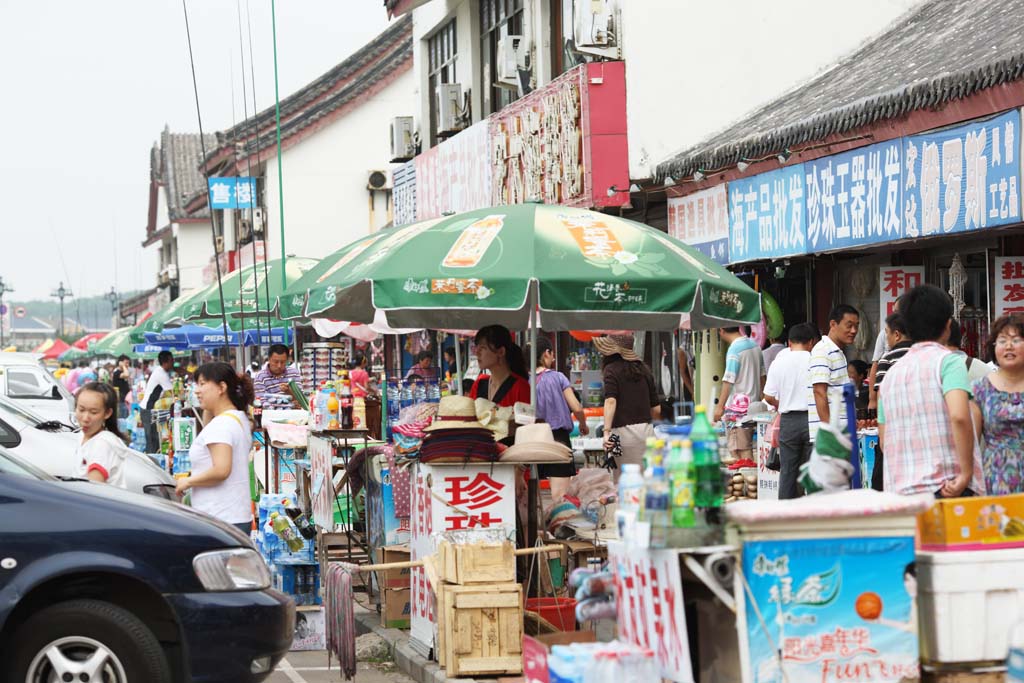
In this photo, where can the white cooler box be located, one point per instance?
(967, 602)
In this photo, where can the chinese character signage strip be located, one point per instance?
(766, 215)
(853, 198)
(840, 609)
(232, 193)
(893, 283)
(701, 220)
(964, 178)
(1009, 292)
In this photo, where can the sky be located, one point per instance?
(89, 86)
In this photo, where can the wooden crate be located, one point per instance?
(480, 629)
(964, 676)
(476, 563)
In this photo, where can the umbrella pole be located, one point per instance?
(533, 352)
(458, 366)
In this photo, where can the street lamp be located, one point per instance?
(4, 288)
(62, 294)
(112, 297)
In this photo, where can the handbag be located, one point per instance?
(772, 435)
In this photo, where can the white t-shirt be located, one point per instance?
(881, 346)
(105, 453)
(157, 378)
(229, 500)
(788, 380)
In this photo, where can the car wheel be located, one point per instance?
(89, 641)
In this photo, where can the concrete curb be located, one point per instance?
(409, 662)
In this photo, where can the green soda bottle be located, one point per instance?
(682, 477)
(710, 488)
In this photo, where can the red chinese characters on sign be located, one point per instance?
(478, 495)
(842, 642)
(1009, 292)
(699, 217)
(894, 282)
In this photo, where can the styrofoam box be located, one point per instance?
(968, 601)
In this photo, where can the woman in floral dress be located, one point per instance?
(998, 409)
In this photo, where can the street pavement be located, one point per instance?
(311, 667)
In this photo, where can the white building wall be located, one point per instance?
(693, 67)
(326, 202)
(195, 248)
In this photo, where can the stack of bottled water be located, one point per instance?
(612, 662)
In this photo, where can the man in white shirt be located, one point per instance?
(828, 365)
(159, 382)
(786, 389)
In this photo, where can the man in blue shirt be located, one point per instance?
(744, 368)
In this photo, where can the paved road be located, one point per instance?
(311, 667)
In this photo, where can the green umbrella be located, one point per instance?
(583, 269)
(120, 342)
(243, 290)
(73, 354)
(167, 316)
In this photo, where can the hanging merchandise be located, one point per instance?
(759, 333)
(957, 281)
(771, 314)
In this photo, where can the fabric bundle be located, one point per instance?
(340, 617)
(595, 594)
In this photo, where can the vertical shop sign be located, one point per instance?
(455, 175)
(1009, 294)
(701, 220)
(964, 178)
(650, 606)
(854, 198)
(893, 283)
(404, 193)
(766, 215)
(840, 609)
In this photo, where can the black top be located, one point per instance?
(121, 384)
(634, 396)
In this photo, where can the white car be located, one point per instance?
(25, 381)
(50, 445)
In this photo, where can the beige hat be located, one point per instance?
(456, 412)
(536, 443)
(612, 344)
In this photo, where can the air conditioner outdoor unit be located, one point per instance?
(403, 143)
(510, 60)
(449, 109)
(172, 271)
(219, 244)
(378, 180)
(594, 23)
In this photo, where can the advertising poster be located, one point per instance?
(828, 610)
(1009, 292)
(701, 220)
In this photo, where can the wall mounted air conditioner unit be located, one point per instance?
(258, 221)
(378, 180)
(449, 109)
(403, 142)
(219, 244)
(596, 28)
(511, 60)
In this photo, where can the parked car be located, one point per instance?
(101, 584)
(25, 380)
(50, 445)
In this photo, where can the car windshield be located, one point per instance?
(31, 382)
(13, 465)
(21, 411)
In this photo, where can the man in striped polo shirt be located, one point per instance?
(271, 383)
(828, 365)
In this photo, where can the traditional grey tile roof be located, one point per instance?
(345, 83)
(174, 163)
(29, 324)
(942, 51)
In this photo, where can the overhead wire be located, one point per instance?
(202, 148)
(252, 193)
(236, 215)
(256, 128)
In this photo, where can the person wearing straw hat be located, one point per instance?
(630, 398)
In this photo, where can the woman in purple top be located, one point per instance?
(556, 404)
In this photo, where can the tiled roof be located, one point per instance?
(943, 51)
(344, 83)
(174, 163)
(29, 324)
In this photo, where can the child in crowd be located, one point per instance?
(102, 451)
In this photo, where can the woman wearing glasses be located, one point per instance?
(998, 409)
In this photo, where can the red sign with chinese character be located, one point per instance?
(1009, 291)
(893, 283)
(452, 498)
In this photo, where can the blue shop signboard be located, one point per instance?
(766, 215)
(232, 193)
(838, 609)
(963, 178)
(853, 198)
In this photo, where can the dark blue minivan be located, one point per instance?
(99, 584)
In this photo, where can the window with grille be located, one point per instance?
(498, 19)
(441, 53)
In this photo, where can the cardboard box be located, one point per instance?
(473, 563)
(976, 523)
(310, 629)
(537, 648)
(396, 610)
(394, 578)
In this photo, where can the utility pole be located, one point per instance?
(112, 297)
(4, 289)
(62, 294)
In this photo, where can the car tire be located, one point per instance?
(65, 637)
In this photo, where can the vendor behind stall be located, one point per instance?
(505, 382)
(271, 382)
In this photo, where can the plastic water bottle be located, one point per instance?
(407, 398)
(656, 506)
(419, 392)
(710, 487)
(631, 492)
(433, 392)
(682, 477)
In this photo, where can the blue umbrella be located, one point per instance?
(200, 337)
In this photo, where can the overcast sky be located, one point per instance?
(88, 86)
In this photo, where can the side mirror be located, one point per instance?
(55, 392)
